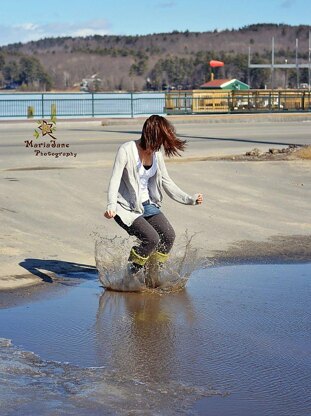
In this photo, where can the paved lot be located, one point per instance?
(51, 207)
(94, 143)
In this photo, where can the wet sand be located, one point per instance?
(52, 210)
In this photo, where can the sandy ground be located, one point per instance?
(52, 209)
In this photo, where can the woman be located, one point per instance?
(136, 190)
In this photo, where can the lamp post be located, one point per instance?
(285, 74)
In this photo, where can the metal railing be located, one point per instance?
(22, 106)
(80, 105)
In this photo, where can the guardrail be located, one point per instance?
(80, 105)
(73, 105)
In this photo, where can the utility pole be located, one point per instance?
(297, 67)
(272, 65)
(287, 66)
(249, 69)
(309, 68)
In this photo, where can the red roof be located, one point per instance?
(217, 83)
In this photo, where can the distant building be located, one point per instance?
(225, 84)
(90, 84)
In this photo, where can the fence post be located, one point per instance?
(42, 105)
(132, 106)
(93, 112)
(30, 111)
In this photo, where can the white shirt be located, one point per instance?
(145, 175)
(123, 182)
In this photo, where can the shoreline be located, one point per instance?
(275, 250)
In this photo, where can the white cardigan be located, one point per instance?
(124, 194)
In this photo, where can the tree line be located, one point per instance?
(26, 72)
(151, 62)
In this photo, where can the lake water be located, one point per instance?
(236, 341)
(72, 105)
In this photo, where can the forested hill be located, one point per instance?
(178, 59)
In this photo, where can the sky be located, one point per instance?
(25, 20)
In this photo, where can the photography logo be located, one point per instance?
(46, 128)
(48, 145)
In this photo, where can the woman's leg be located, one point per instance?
(165, 232)
(156, 235)
(155, 262)
(148, 236)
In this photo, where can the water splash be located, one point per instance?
(111, 256)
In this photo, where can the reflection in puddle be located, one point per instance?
(236, 341)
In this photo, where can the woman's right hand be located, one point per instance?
(109, 214)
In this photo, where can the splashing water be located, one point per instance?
(111, 256)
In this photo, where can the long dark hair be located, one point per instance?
(158, 131)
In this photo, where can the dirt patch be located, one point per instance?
(292, 152)
(276, 249)
(304, 153)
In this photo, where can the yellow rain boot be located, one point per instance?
(134, 275)
(153, 266)
(136, 258)
(160, 257)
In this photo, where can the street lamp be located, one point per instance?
(285, 74)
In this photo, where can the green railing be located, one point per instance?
(76, 105)
(80, 105)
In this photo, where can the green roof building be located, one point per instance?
(225, 84)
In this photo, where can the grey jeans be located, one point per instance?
(154, 232)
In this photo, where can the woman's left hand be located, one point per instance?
(199, 199)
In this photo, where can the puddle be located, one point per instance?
(236, 341)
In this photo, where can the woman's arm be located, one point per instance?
(173, 190)
(114, 184)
